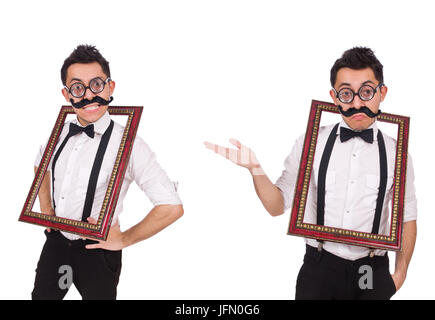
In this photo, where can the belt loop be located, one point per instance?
(319, 250)
(320, 247)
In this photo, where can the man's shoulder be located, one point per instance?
(120, 130)
(389, 140)
(326, 129)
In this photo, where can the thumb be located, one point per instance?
(236, 143)
(92, 220)
(116, 223)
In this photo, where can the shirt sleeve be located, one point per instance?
(39, 157)
(150, 177)
(42, 148)
(286, 182)
(410, 209)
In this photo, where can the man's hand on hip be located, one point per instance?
(114, 238)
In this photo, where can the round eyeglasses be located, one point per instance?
(365, 93)
(96, 85)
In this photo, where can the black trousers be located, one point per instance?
(324, 276)
(94, 272)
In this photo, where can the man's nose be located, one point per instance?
(88, 93)
(357, 102)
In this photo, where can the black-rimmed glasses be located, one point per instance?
(96, 85)
(365, 93)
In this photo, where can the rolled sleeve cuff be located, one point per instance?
(161, 193)
(285, 195)
(39, 158)
(410, 213)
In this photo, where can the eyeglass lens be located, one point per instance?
(96, 85)
(365, 93)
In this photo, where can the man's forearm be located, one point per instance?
(269, 194)
(157, 219)
(403, 257)
(45, 193)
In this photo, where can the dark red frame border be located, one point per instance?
(100, 230)
(298, 228)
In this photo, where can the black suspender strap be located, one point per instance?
(382, 183)
(322, 178)
(53, 164)
(382, 187)
(92, 185)
(322, 175)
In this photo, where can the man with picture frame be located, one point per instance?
(347, 180)
(76, 181)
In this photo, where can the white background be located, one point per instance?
(208, 70)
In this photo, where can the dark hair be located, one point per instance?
(358, 58)
(84, 54)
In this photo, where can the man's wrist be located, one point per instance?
(47, 209)
(257, 171)
(400, 273)
(124, 240)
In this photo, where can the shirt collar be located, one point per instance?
(374, 126)
(100, 125)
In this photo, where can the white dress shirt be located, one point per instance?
(73, 169)
(351, 187)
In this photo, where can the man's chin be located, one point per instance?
(359, 124)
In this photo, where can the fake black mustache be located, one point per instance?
(85, 102)
(351, 111)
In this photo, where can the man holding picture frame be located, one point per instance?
(350, 187)
(77, 184)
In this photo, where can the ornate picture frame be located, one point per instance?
(96, 231)
(353, 237)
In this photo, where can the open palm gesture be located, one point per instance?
(242, 156)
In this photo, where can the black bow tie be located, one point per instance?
(75, 129)
(346, 134)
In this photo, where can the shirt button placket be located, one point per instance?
(350, 193)
(65, 189)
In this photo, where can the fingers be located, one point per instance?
(228, 153)
(116, 225)
(236, 143)
(243, 155)
(92, 220)
(94, 246)
(214, 147)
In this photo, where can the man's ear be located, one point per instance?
(65, 94)
(384, 90)
(111, 87)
